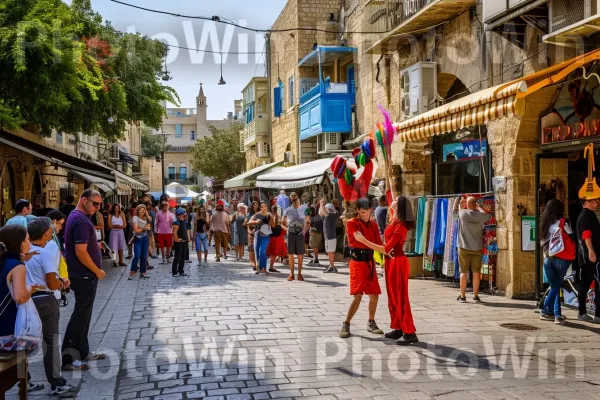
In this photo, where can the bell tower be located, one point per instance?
(201, 105)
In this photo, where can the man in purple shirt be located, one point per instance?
(84, 261)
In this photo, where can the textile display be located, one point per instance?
(411, 237)
(432, 227)
(420, 225)
(451, 231)
(439, 240)
(490, 243)
(427, 266)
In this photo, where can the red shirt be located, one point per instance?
(395, 236)
(369, 230)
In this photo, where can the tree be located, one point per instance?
(152, 144)
(62, 69)
(219, 156)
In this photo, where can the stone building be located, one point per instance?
(181, 128)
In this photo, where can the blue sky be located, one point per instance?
(187, 68)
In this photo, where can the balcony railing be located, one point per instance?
(256, 129)
(180, 149)
(326, 88)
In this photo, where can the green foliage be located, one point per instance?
(152, 144)
(61, 68)
(219, 156)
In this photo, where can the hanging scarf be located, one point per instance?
(427, 264)
(420, 225)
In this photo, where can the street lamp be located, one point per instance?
(162, 161)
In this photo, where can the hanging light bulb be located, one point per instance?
(111, 120)
(221, 81)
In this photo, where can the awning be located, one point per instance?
(298, 176)
(177, 191)
(574, 34)
(55, 157)
(126, 180)
(103, 184)
(328, 55)
(488, 104)
(248, 178)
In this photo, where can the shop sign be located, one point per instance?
(527, 233)
(465, 150)
(575, 116)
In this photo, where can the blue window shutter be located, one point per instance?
(178, 131)
(277, 101)
(291, 90)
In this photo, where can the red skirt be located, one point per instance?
(396, 283)
(363, 278)
(277, 246)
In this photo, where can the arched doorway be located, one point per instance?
(7, 193)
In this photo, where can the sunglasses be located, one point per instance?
(96, 204)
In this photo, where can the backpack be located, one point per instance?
(561, 245)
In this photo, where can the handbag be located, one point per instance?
(561, 245)
(63, 271)
(28, 326)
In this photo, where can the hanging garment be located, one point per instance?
(441, 226)
(427, 266)
(432, 227)
(419, 243)
(410, 243)
(490, 243)
(448, 268)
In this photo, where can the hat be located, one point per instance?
(330, 208)
(180, 211)
(221, 203)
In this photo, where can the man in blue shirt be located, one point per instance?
(23, 209)
(283, 201)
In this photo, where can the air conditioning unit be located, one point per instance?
(563, 13)
(419, 88)
(262, 149)
(328, 142)
(288, 157)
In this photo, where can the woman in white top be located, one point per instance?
(141, 227)
(116, 224)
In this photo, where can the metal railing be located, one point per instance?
(386, 15)
(326, 88)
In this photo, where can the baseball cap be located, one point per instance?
(180, 211)
(221, 203)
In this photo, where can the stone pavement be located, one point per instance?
(226, 333)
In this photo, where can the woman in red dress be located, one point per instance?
(277, 247)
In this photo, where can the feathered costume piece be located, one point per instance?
(353, 188)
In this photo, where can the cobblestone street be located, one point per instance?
(226, 333)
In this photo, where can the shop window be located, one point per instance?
(171, 173)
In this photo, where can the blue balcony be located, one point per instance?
(326, 106)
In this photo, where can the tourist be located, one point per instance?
(305, 210)
(381, 213)
(588, 237)
(316, 223)
(363, 277)
(98, 222)
(221, 229)
(117, 224)
(240, 233)
(163, 226)
(283, 201)
(263, 235)
(130, 213)
(201, 228)
(56, 247)
(150, 215)
(84, 259)
(556, 266)
(141, 228)
(330, 219)
(251, 226)
(180, 239)
(470, 232)
(277, 247)
(297, 224)
(42, 271)
(23, 208)
(14, 243)
(68, 206)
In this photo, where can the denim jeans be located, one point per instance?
(261, 250)
(140, 253)
(555, 269)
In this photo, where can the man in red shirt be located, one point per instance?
(363, 276)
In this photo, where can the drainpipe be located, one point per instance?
(269, 131)
(489, 57)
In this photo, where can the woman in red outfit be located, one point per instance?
(277, 247)
(363, 276)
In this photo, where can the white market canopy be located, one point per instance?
(176, 191)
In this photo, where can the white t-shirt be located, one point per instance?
(41, 264)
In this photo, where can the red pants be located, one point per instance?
(396, 283)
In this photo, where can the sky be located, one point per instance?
(190, 68)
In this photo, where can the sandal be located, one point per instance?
(95, 356)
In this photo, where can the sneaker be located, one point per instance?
(217, 259)
(546, 317)
(345, 332)
(461, 299)
(258, 272)
(585, 318)
(273, 270)
(560, 320)
(34, 387)
(163, 261)
(395, 334)
(317, 263)
(174, 275)
(408, 340)
(129, 257)
(329, 270)
(154, 257)
(183, 274)
(150, 267)
(58, 390)
(199, 264)
(373, 328)
(168, 260)
(476, 300)
(206, 263)
(188, 261)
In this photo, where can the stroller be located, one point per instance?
(570, 294)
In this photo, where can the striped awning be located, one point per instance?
(476, 108)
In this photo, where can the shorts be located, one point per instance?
(164, 240)
(201, 242)
(295, 244)
(362, 278)
(315, 240)
(330, 245)
(469, 259)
